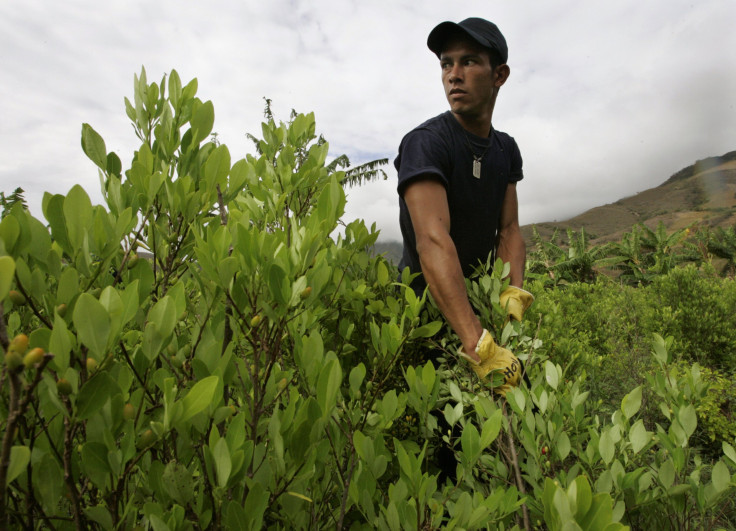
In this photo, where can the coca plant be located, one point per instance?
(203, 351)
(241, 374)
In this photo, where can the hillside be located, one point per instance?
(703, 193)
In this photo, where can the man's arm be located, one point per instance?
(426, 200)
(511, 246)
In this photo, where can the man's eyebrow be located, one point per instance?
(472, 55)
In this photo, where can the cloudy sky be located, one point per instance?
(605, 99)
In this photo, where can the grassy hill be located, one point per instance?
(703, 193)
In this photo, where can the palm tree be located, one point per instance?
(643, 253)
(575, 263)
(581, 259)
(663, 251)
(541, 260)
(16, 198)
(628, 258)
(723, 245)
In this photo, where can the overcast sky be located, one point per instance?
(605, 99)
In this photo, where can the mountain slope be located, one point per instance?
(701, 194)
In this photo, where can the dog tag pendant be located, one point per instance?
(476, 168)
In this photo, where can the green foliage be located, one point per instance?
(605, 326)
(716, 421)
(703, 307)
(213, 354)
(356, 175)
(577, 507)
(649, 469)
(559, 422)
(600, 331)
(207, 385)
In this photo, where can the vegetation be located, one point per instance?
(259, 371)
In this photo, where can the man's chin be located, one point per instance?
(457, 107)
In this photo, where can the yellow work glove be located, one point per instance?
(494, 358)
(515, 301)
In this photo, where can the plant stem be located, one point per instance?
(31, 305)
(517, 471)
(4, 341)
(216, 508)
(16, 409)
(346, 486)
(7, 443)
(227, 335)
(68, 475)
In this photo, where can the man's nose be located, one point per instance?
(455, 73)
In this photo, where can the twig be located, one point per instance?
(135, 372)
(221, 203)
(16, 409)
(346, 486)
(69, 430)
(4, 341)
(517, 471)
(217, 510)
(29, 302)
(7, 443)
(227, 335)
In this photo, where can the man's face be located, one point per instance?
(468, 78)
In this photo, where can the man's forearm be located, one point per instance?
(511, 249)
(442, 271)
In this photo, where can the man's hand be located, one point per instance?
(494, 358)
(515, 301)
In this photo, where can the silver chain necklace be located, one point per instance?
(478, 158)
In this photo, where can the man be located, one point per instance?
(457, 188)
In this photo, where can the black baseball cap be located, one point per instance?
(480, 30)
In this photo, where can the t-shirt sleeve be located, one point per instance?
(517, 172)
(422, 154)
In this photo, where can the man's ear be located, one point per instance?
(500, 75)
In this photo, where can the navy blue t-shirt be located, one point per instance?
(439, 148)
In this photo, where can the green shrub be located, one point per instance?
(603, 329)
(716, 411)
(703, 306)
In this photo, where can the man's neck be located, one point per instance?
(479, 126)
